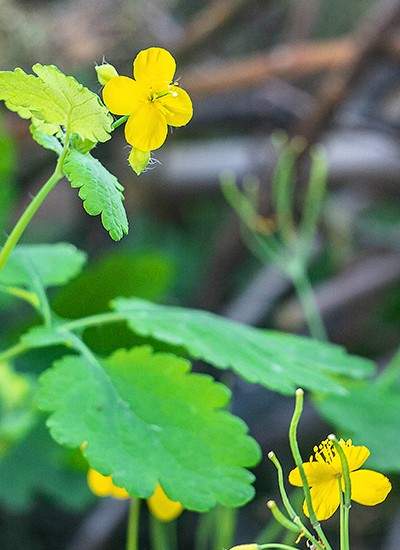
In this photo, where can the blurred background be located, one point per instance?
(326, 70)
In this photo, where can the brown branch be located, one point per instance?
(369, 36)
(292, 61)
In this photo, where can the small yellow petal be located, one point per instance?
(123, 96)
(369, 487)
(162, 507)
(316, 472)
(325, 499)
(154, 66)
(103, 486)
(356, 456)
(147, 128)
(177, 107)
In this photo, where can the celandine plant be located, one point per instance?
(330, 480)
(148, 427)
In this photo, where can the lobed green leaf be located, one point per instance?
(279, 361)
(145, 419)
(100, 191)
(55, 98)
(53, 264)
(369, 414)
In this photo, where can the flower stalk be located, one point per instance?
(299, 463)
(132, 542)
(345, 501)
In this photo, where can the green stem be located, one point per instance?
(205, 526)
(306, 296)
(225, 528)
(279, 546)
(341, 516)
(33, 207)
(346, 504)
(119, 122)
(132, 542)
(160, 535)
(12, 352)
(299, 463)
(286, 502)
(94, 320)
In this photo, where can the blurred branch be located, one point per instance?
(207, 21)
(98, 526)
(367, 38)
(303, 15)
(291, 61)
(361, 280)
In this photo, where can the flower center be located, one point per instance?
(158, 95)
(325, 452)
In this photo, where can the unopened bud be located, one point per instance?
(139, 160)
(105, 72)
(246, 547)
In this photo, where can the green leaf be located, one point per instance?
(278, 361)
(147, 419)
(369, 415)
(43, 134)
(147, 274)
(37, 465)
(17, 414)
(100, 191)
(53, 264)
(55, 98)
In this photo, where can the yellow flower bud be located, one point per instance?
(139, 160)
(246, 547)
(105, 72)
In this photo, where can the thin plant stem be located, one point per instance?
(299, 463)
(226, 526)
(281, 518)
(306, 296)
(346, 504)
(12, 352)
(159, 535)
(289, 508)
(278, 546)
(341, 516)
(205, 527)
(132, 542)
(33, 206)
(119, 122)
(94, 320)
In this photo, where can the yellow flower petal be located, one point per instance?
(356, 456)
(369, 487)
(162, 507)
(154, 66)
(325, 498)
(103, 486)
(176, 107)
(123, 96)
(316, 473)
(147, 128)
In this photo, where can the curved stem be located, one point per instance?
(132, 542)
(286, 502)
(306, 296)
(119, 122)
(345, 503)
(94, 320)
(279, 546)
(299, 463)
(33, 207)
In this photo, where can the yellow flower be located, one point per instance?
(103, 486)
(162, 507)
(324, 475)
(151, 100)
(245, 547)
